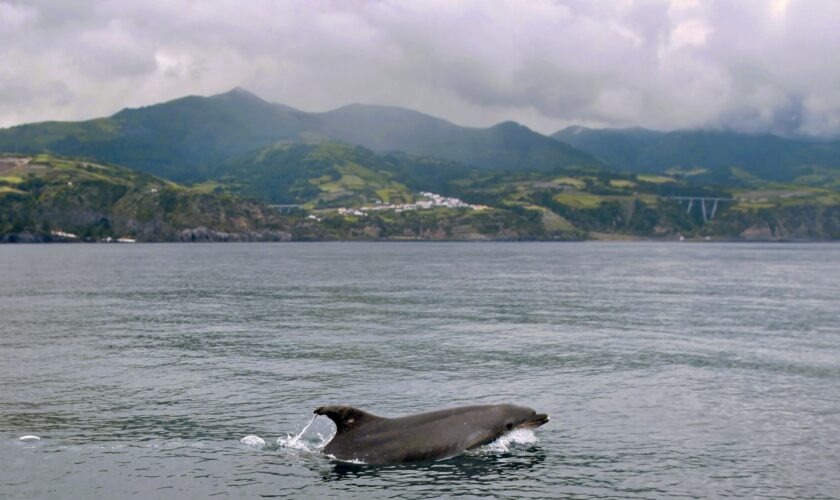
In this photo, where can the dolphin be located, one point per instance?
(367, 438)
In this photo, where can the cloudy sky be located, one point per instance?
(751, 65)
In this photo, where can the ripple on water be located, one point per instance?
(668, 370)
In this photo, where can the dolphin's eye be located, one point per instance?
(509, 425)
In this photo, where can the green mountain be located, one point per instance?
(358, 173)
(764, 156)
(181, 139)
(506, 146)
(46, 198)
(192, 138)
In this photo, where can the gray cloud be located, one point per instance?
(752, 65)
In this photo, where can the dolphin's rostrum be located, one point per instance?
(370, 439)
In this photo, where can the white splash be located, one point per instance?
(253, 441)
(305, 443)
(353, 461)
(503, 443)
(29, 438)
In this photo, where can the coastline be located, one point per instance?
(619, 239)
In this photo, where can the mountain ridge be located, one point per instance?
(188, 139)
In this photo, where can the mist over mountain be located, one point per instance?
(647, 151)
(505, 146)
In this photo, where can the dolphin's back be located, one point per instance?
(425, 436)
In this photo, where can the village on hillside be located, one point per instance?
(430, 201)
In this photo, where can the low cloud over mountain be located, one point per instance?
(752, 65)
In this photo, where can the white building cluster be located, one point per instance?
(351, 211)
(430, 201)
(70, 236)
(63, 234)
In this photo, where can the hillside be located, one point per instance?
(764, 156)
(350, 192)
(359, 173)
(46, 198)
(317, 175)
(573, 203)
(191, 138)
(336, 174)
(650, 206)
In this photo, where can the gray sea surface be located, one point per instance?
(669, 370)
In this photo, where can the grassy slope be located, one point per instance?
(641, 205)
(99, 200)
(319, 176)
(541, 205)
(322, 177)
(44, 193)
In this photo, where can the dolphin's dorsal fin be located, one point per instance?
(345, 417)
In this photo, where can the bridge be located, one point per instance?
(701, 200)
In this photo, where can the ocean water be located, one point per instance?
(669, 370)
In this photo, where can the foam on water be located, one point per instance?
(253, 441)
(503, 443)
(353, 461)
